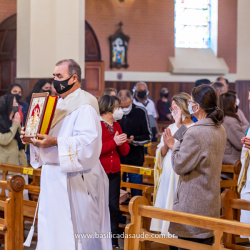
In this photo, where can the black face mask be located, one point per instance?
(142, 94)
(15, 109)
(49, 91)
(62, 86)
(237, 107)
(166, 95)
(18, 97)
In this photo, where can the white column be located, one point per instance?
(243, 40)
(49, 31)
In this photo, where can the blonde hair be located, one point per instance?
(181, 101)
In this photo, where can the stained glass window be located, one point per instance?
(192, 23)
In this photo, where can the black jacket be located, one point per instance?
(136, 123)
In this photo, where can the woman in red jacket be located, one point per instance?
(114, 144)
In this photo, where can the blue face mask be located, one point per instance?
(190, 109)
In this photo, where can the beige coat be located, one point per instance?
(197, 158)
(234, 133)
(9, 152)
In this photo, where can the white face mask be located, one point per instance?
(183, 116)
(190, 109)
(237, 101)
(127, 110)
(118, 114)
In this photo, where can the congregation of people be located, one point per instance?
(203, 130)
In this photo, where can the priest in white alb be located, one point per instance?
(73, 209)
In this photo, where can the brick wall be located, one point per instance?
(151, 29)
(150, 26)
(227, 32)
(7, 8)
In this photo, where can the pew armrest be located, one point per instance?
(148, 190)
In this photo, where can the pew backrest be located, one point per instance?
(232, 205)
(148, 172)
(149, 161)
(235, 171)
(140, 210)
(147, 190)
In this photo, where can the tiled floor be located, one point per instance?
(33, 244)
(121, 241)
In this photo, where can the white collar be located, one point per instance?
(79, 89)
(101, 119)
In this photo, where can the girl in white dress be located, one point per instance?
(165, 178)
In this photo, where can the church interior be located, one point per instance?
(166, 45)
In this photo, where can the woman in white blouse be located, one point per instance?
(165, 178)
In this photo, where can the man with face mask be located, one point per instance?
(141, 99)
(163, 106)
(135, 124)
(74, 187)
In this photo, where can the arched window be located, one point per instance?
(192, 23)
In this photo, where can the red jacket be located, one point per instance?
(110, 155)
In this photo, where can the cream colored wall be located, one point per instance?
(23, 39)
(243, 40)
(49, 31)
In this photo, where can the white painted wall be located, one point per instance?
(49, 31)
(133, 76)
(243, 40)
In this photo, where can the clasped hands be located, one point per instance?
(246, 142)
(43, 141)
(122, 138)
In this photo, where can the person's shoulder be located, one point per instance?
(196, 131)
(171, 126)
(229, 120)
(117, 126)
(88, 95)
(239, 111)
(159, 101)
(139, 110)
(24, 104)
(150, 101)
(87, 108)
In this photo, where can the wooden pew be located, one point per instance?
(146, 189)
(140, 211)
(233, 169)
(34, 173)
(233, 205)
(11, 226)
(29, 207)
(162, 125)
(149, 161)
(152, 148)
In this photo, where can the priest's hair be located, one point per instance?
(73, 68)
